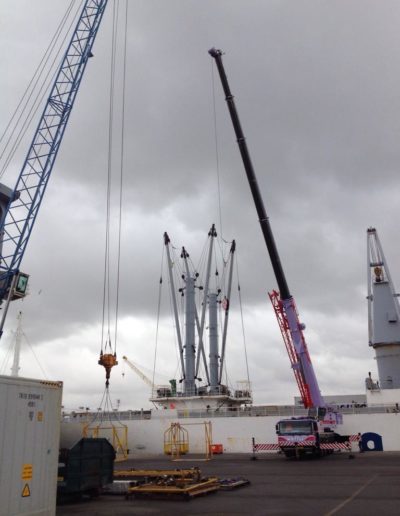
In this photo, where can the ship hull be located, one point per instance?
(381, 431)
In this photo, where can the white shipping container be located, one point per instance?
(29, 441)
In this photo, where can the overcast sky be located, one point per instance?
(317, 87)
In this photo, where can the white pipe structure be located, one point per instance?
(17, 348)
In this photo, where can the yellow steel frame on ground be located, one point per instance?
(119, 436)
(185, 490)
(176, 440)
(189, 474)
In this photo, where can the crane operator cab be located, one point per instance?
(19, 280)
(326, 416)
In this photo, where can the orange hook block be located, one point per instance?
(108, 360)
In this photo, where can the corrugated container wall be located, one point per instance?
(29, 442)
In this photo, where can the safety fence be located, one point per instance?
(253, 411)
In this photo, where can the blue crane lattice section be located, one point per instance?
(20, 215)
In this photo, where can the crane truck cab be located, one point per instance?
(299, 436)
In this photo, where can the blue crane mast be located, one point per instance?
(19, 207)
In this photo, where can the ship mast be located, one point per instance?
(17, 348)
(174, 303)
(189, 386)
(201, 315)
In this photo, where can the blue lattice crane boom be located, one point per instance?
(19, 207)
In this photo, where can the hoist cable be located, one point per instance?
(217, 277)
(216, 148)
(242, 321)
(203, 257)
(177, 273)
(42, 64)
(158, 317)
(106, 286)
(36, 358)
(38, 100)
(121, 176)
(176, 347)
(100, 411)
(7, 356)
(177, 265)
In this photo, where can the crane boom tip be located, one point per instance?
(215, 52)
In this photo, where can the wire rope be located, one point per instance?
(202, 261)
(242, 322)
(43, 62)
(7, 355)
(34, 354)
(106, 286)
(178, 273)
(158, 317)
(38, 99)
(176, 345)
(121, 175)
(217, 277)
(177, 268)
(216, 147)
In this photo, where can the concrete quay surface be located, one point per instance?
(367, 485)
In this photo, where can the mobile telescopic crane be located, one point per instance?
(318, 427)
(19, 207)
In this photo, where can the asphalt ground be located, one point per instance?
(368, 485)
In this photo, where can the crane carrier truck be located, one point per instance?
(314, 434)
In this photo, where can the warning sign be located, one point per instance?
(26, 491)
(27, 471)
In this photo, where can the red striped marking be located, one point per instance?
(327, 446)
(299, 443)
(335, 446)
(265, 446)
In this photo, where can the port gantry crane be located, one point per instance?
(19, 207)
(283, 302)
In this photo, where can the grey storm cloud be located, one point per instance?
(316, 86)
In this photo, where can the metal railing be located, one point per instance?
(251, 411)
(282, 411)
(161, 391)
